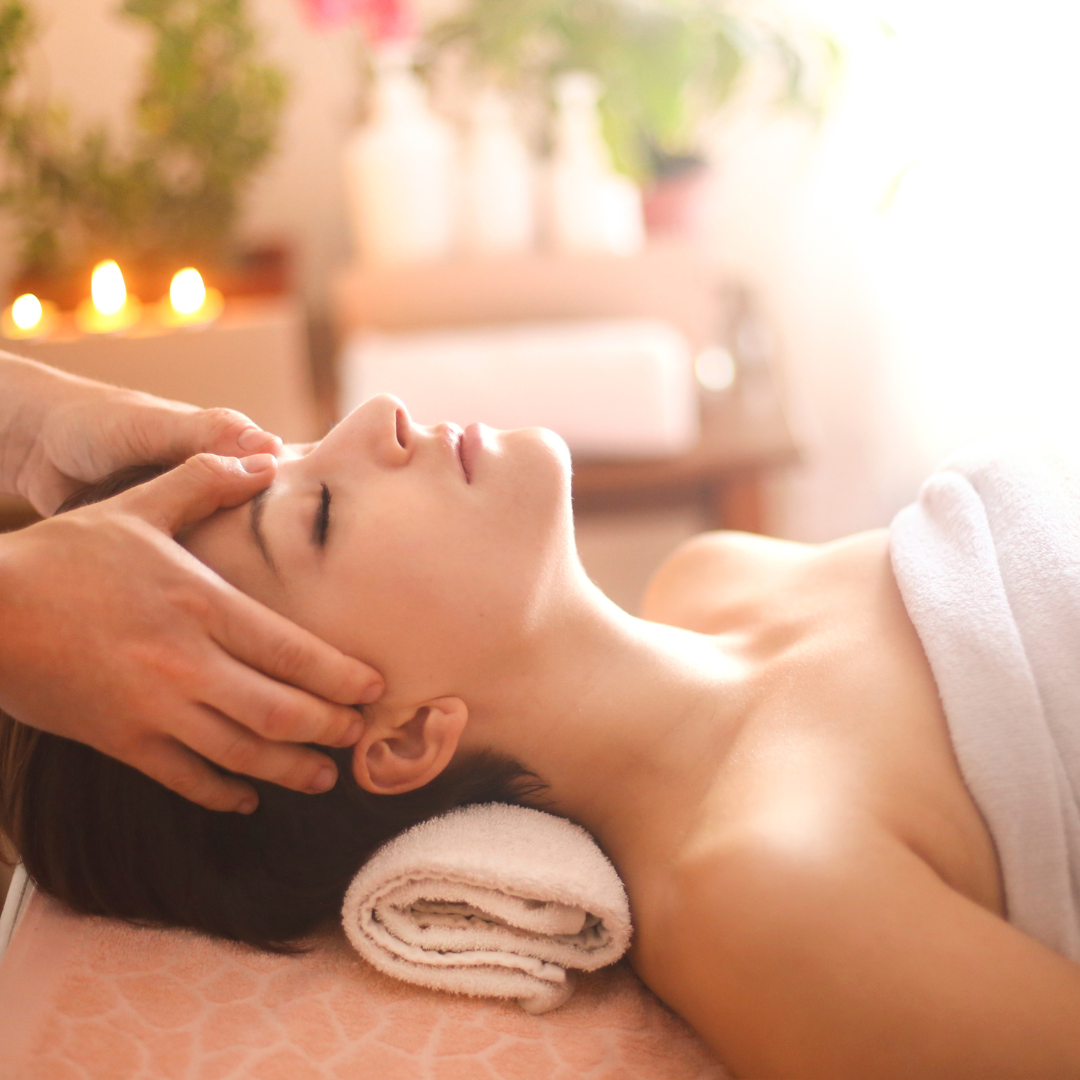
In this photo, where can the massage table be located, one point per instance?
(86, 998)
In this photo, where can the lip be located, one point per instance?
(470, 448)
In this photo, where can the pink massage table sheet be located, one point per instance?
(94, 999)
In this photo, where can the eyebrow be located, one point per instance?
(258, 507)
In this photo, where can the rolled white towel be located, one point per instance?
(492, 901)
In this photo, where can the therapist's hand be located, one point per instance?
(112, 634)
(89, 430)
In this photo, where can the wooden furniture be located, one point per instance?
(744, 435)
(744, 430)
(254, 358)
(666, 282)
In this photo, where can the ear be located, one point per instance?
(395, 755)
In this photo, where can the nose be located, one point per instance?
(403, 426)
(380, 428)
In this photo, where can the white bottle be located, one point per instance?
(400, 172)
(593, 208)
(498, 182)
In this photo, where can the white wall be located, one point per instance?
(922, 263)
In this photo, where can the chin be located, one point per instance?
(541, 467)
(546, 452)
(554, 445)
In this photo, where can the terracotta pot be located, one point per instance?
(674, 204)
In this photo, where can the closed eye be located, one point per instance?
(321, 525)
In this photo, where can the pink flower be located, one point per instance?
(383, 20)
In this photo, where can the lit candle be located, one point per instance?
(109, 308)
(190, 302)
(28, 317)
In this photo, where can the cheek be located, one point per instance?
(428, 600)
(428, 584)
(424, 584)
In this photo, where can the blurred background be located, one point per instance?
(762, 264)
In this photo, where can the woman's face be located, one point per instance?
(421, 550)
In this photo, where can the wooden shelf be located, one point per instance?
(734, 438)
(669, 282)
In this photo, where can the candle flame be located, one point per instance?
(107, 288)
(26, 311)
(187, 293)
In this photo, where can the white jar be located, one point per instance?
(401, 172)
(498, 181)
(592, 207)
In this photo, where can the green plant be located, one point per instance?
(206, 118)
(664, 64)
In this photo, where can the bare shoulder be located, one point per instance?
(837, 952)
(708, 572)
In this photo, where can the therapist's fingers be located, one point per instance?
(232, 746)
(300, 682)
(196, 489)
(182, 770)
(165, 431)
(276, 710)
(225, 432)
(270, 643)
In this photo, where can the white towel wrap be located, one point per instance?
(988, 563)
(493, 901)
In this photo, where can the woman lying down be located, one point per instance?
(832, 873)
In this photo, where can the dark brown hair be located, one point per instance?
(107, 840)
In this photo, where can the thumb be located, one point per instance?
(225, 431)
(196, 489)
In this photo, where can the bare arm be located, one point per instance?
(851, 958)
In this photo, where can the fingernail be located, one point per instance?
(258, 463)
(372, 693)
(354, 733)
(247, 806)
(252, 438)
(324, 780)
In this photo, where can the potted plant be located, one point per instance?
(205, 119)
(665, 65)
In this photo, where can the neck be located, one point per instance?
(626, 721)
